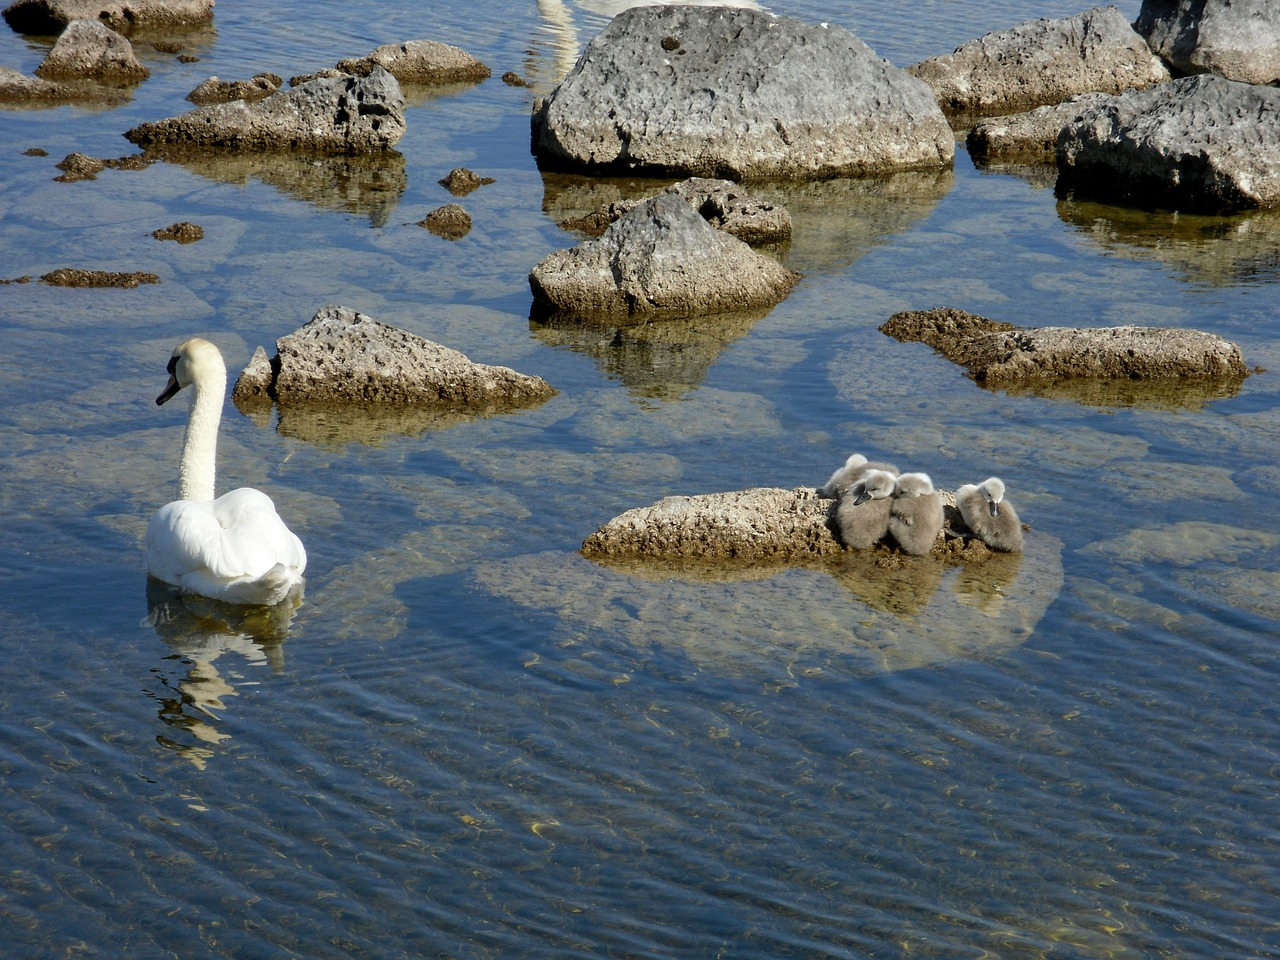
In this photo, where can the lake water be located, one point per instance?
(473, 742)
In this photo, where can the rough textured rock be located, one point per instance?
(997, 352)
(462, 181)
(183, 232)
(79, 166)
(255, 387)
(346, 357)
(722, 203)
(214, 90)
(1236, 39)
(419, 61)
(90, 50)
(450, 221)
(1198, 143)
(736, 93)
(51, 16)
(341, 115)
(1030, 137)
(1042, 62)
(19, 87)
(661, 258)
(75, 277)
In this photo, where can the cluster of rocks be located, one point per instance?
(344, 357)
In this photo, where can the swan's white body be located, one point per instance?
(863, 514)
(853, 470)
(915, 515)
(991, 518)
(235, 548)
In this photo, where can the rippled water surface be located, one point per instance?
(470, 741)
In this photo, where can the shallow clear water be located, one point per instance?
(473, 742)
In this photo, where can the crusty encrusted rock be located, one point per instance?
(997, 352)
(1236, 39)
(90, 50)
(342, 356)
(51, 16)
(1042, 62)
(718, 91)
(419, 61)
(1197, 144)
(724, 204)
(763, 523)
(215, 90)
(661, 258)
(1030, 137)
(339, 115)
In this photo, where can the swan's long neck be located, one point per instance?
(200, 444)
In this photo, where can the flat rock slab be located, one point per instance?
(339, 115)
(1235, 39)
(91, 50)
(1042, 62)
(1196, 144)
(724, 204)
(1030, 137)
(419, 61)
(996, 352)
(661, 258)
(51, 16)
(341, 356)
(739, 94)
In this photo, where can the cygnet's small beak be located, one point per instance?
(993, 504)
(170, 389)
(861, 498)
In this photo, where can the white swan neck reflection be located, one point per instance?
(234, 548)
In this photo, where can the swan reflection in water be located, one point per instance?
(199, 630)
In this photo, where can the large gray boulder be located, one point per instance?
(1236, 39)
(339, 115)
(341, 356)
(1042, 62)
(738, 94)
(419, 61)
(1198, 143)
(996, 352)
(51, 16)
(661, 258)
(90, 50)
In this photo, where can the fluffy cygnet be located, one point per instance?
(854, 469)
(991, 518)
(863, 514)
(915, 514)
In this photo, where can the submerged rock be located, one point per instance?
(452, 222)
(1042, 62)
(1236, 39)
(214, 90)
(342, 115)
(736, 93)
(1198, 143)
(183, 232)
(997, 352)
(51, 16)
(342, 356)
(462, 181)
(76, 277)
(89, 50)
(419, 61)
(661, 258)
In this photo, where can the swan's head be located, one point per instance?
(992, 490)
(876, 485)
(855, 460)
(914, 485)
(193, 361)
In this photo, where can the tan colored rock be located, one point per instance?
(91, 50)
(51, 16)
(214, 90)
(419, 61)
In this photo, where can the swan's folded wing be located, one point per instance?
(254, 538)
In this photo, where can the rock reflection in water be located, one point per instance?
(1169, 394)
(372, 424)
(760, 622)
(1216, 251)
(368, 185)
(199, 631)
(662, 358)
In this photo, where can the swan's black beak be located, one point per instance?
(173, 387)
(861, 498)
(994, 504)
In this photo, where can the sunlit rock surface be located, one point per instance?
(1236, 39)
(1042, 62)
(419, 61)
(734, 93)
(89, 50)
(50, 16)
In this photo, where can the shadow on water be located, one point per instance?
(368, 185)
(869, 612)
(199, 631)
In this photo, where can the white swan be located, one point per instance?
(915, 516)
(991, 518)
(235, 548)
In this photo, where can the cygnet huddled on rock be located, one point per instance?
(863, 514)
(915, 514)
(991, 518)
(854, 469)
